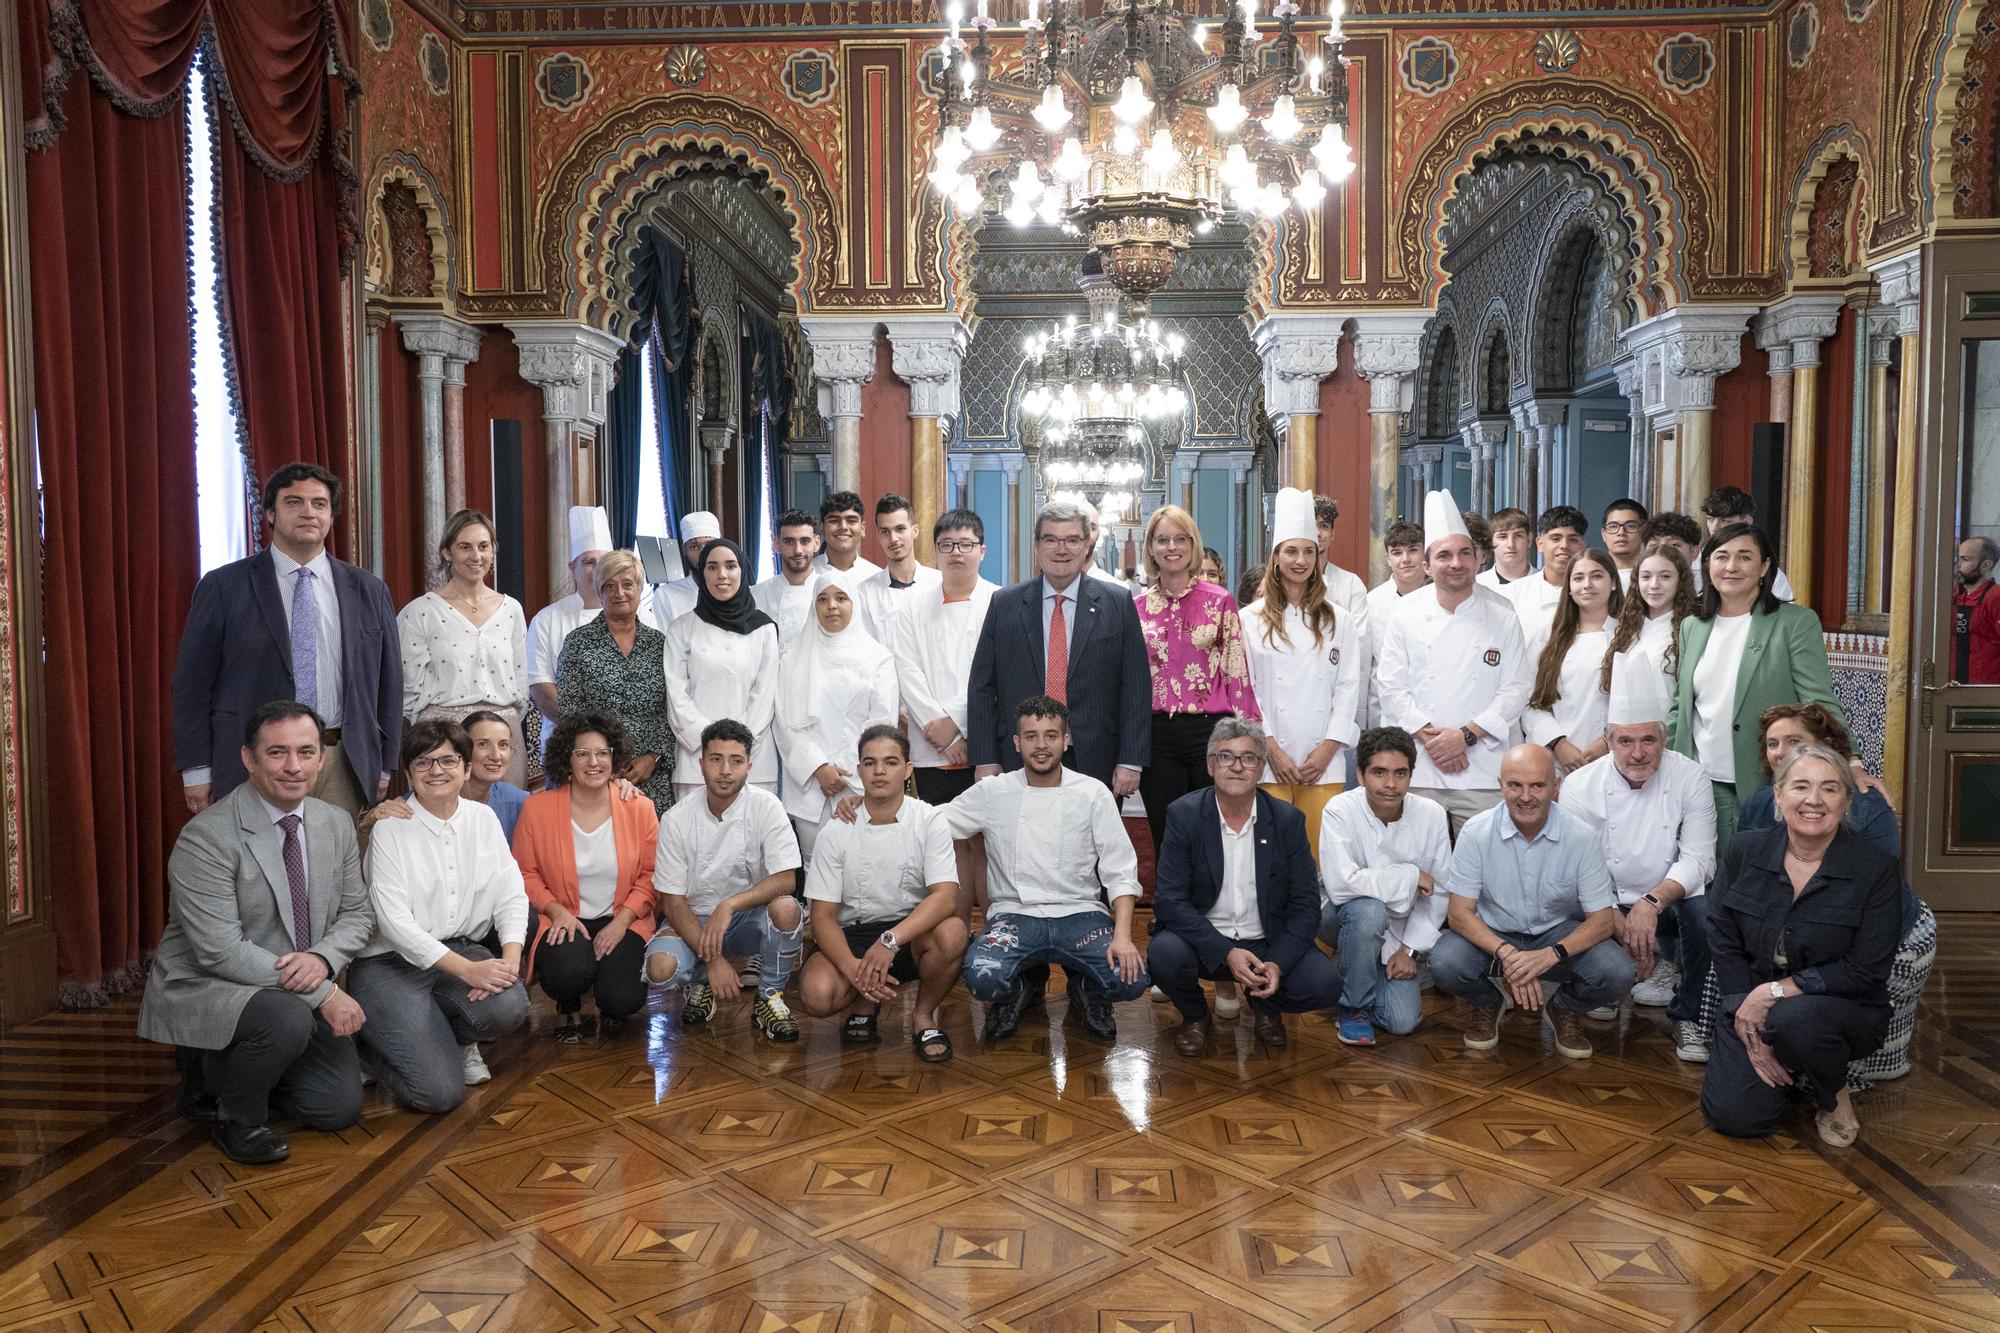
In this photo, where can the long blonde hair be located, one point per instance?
(1318, 613)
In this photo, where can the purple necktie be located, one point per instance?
(295, 873)
(305, 640)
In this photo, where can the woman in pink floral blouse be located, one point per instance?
(1194, 642)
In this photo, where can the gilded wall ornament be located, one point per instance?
(1558, 50)
(562, 81)
(809, 77)
(687, 65)
(1429, 66)
(435, 64)
(1685, 62)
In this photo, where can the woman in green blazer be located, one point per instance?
(1742, 651)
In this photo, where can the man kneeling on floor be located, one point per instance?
(1532, 912)
(888, 885)
(1053, 840)
(726, 869)
(1237, 896)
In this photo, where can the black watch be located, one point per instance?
(1562, 954)
(1471, 737)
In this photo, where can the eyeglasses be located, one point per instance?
(1172, 540)
(1066, 543)
(442, 763)
(1629, 525)
(1235, 762)
(958, 548)
(590, 754)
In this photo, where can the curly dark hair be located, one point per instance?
(572, 725)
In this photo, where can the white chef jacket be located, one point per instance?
(882, 606)
(1346, 590)
(1309, 693)
(450, 662)
(1535, 601)
(1663, 830)
(933, 648)
(673, 600)
(1384, 602)
(880, 872)
(1234, 913)
(850, 699)
(705, 859)
(1455, 668)
(789, 604)
(435, 879)
(1361, 857)
(1656, 635)
(1047, 848)
(860, 569)
(711, 674)
(1581, 701)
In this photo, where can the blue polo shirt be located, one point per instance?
(1524, 886)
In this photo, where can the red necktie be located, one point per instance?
(1058, 672)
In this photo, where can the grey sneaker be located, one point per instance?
(1690, 1042)
(1657, 991)
(476, 1071)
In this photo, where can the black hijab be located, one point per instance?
(738, 615)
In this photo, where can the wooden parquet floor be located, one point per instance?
(704, 1180)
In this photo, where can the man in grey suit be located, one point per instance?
(266, 907)
(251, 638)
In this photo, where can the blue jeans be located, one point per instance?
(749, 932)
(1010, 942)
(1599, 975)
(1682, 938)
(419, 1017)
(1355, 929)
(1310, 986)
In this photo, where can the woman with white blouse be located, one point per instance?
(1306, 667)
(443, 883)
(722, 661)
(1566, 708)
(465, 645)
(836, 682)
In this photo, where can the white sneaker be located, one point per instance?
(1227, 1006)
(476, 1071)
(1690, 1043)
(1657, 991)
(1604, 1013)
(1156, 995)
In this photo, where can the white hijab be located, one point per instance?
(821, 664)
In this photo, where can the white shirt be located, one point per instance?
(596, 870)
(1310, 692)
(1047, 848)
(1383, 604)
(827, 728)
(673, 600)
(880, 872)
(882, 606)
(1624, 577)
(1362, 857)
(933, 648)
(1234, 913)
(328, 676)
(860, 569)
(1535, 601)
(1663, 830)
(711, 674)
(705, 859)
(1454, 668)
(437, 879)
(449, 662)
(1580, 699)
(1715, 695)
(551, 628)
(788, 603)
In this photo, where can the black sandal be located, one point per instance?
(860, 1030)
(932, 1037)
(570, 1033)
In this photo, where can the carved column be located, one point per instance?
(1536, 420)
(1639, 468)
(1902, 292)
(572, 364)
(1483, 437)
(927, 354)
(1778, 365)
(1872, 476)
(374, 320)
(1803, 323)
(1243, 505)
(716, 437)
(1677, 356)
(843, 359)
(1297, 351)
(1185, 464)
(1387, 351)
(1023, 536)
(961, 482)
(444, 347)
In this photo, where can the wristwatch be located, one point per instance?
(888, 940)
(1654, 900)
(1562, 954)
(1471, 736)
(1777, 990)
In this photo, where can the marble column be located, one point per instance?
(927, 353)
(1024, 537)
(572, 364)
(716, 437)
(1902, 292)
(1535, 421)
(1639, 469)
(1186, 463)
(1297, 351)
(1803, 323)
(444, 346)
(1677, 356)
(375, 319)
(1387, 351)
(843, 359)
(1483, 437)
(961, 482)
(1873, 474)
(1244, 506)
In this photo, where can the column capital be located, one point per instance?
(1388, 349)
(1680, 352)
(572, 363)
(1902, 280)
(1803, 322)
(1484, 432)
(1539, 413)
(1011, 465)
(1186, 463)
(843, 359)
(1882, 327)
(445, 344)
(715, 440)
(1297, 351)
(928, 352)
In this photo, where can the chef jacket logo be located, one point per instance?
(1492, 657)
(1333, 657)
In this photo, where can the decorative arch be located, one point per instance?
(1963, 108)
(403, 169)
(623, 162)
(1441, 397)
(1839, 144)
(1574, 245)
(1641, 159)
(1493, 361)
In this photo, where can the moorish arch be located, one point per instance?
(1963, 114)
(1493, 357)
(620, 165)
(1836, 165)
(1641, 160)
(381, 231)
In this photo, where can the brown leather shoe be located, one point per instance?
(1570, 1040)
(1269, 1025)
(1191, 1038)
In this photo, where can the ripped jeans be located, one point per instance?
(994, 959)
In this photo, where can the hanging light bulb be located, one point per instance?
(1051, 207)
(1027, 183)
(1198, 34)
(951, 150)
(1052, 113)
(1133, 105)
(1070, 163)
(1283, 122)
(945, 180)
(1336, 161)
(1228, 113)
(968, 201)
(1162, 157)
(1310, 192)
(1238, 171)
(1249, 21)
(1018, 213)
(1124, 141)
(981, 132)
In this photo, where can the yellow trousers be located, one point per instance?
(1308, 800)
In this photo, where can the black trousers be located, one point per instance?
(1812, 1035)
(941, 786)
(1179, 765)
(282, 1051)
(1313, 983)
(567, 971)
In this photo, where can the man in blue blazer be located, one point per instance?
(250, 639)
(1237, 895)
(1104, 678)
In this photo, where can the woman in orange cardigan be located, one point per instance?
(587, 861)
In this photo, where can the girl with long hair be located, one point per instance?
(1661, 597)
(1567, 705)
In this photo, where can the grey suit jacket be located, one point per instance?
(229, 916)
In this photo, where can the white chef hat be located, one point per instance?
(1442, 518)
(1638, 690)
(1293, 520)
(700, 525)
(589, 530)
